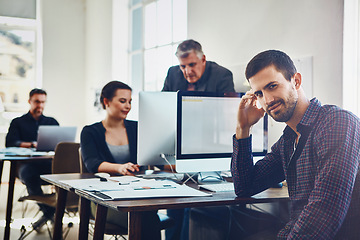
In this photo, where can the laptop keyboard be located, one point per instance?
(219, 187)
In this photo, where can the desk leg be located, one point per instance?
(100, 221)
(10, 199)
(1, 169)
(84, 218)
(59, 214)
(134, 226)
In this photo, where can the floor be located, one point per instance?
(31, 216)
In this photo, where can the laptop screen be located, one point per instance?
(50, 136)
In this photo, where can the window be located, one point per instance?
(157, 27)
(17, 62)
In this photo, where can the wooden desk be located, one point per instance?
(136, 207)
(14, 160)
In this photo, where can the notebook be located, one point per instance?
(50, 136)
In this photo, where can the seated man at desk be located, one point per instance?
(23, 133)
(318, 154)
(194, 73)
(111, 146)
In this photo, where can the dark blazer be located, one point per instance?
(214, 79)
(94, 149)
(25, 129)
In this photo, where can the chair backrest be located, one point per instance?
(83, 168)
(66, 160)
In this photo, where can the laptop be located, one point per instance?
(50, 136)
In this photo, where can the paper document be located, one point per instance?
(129, 187)
(19, 151)
(95, 184)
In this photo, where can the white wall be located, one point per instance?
(98, 45)
(64, 59)
(106, 44)
(82, 51)
(236, 30)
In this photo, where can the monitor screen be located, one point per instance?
(206, 123)
(156, 128)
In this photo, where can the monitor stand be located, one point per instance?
(209, 177)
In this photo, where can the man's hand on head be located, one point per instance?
(248, 114)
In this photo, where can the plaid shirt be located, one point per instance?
(323, 182)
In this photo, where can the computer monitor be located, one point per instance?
(156, 128)
(206, 123)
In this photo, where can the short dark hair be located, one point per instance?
(188, 46)
(36, 91)
(109, 90)
(280, 60)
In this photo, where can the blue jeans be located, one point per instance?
(29, 174)
(181, 229)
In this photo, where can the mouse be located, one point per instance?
(102, 175)
(149, 172)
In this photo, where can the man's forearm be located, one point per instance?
(26, 144)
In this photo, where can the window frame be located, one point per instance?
(141, 86)
(21, 24)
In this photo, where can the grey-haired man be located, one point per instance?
(194, 73)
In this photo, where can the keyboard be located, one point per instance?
(218, 187)
(162, 175)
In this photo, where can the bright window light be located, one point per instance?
(18, 65)
(164, 26)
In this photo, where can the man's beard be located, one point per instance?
(288, 110)
(38, 112)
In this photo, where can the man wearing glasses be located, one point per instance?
(23, 133)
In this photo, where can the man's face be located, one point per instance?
(277, 96)
(37, 104)
(192, 67)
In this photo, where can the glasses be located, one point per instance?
(38, 102)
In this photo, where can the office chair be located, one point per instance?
(116, 230)
(66, 160)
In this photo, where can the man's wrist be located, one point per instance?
(242, 133)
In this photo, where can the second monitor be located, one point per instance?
(206, 123)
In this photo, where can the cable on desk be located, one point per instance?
(171, 168)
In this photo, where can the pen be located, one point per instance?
(103, 179)
(146, 187)
(127, 183)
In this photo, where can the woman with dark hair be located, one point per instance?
(110, 146)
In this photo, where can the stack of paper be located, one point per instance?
(128, 187)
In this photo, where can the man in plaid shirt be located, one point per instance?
(318, 153)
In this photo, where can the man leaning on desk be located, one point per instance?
(194, 73)
(23, 133)
(318, 154)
